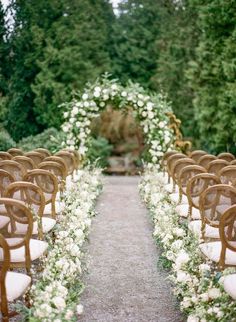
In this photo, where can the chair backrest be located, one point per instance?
(228, 175)
(43, 151)
(214, 201)
(59, 160)
(48, 183)
(172, 159)
(178, 166)
(15, 151)
(206, 159)
(5, 179)
(233, 162)
(76, 155)
(69, 160)
(35, 156)
(14, 168)
(57, 170)
(216, 165)
(226, 156)
(227, 233)
(197, 185)
(197, 154)
(165, 157)
(186, 174)
(5, 155)
(25, 161)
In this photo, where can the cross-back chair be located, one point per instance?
(48, 183)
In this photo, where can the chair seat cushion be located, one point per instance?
(210, 232)
(47, 225)
(182, 210)
(4, 220)
(174, 197)
(37, 249)
(212, 251)
(58, 208)
(230, 285)
(16, 285)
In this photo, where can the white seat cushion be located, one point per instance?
(212, 250)
(210, 232)
(182, 210)
(230, 285)
(47, 225)
(48, 208)
(16, 285)
(37, 249)
(4, 220)
(174, 197)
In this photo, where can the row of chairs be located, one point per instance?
(30, 188)
(205, 194)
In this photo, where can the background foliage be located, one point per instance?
(186, 47)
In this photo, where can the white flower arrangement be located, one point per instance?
(149, 110)
(55, 295)
(198, 284)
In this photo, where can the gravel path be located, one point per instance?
(123, 283)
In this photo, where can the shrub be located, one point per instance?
(99, 151)
(6, 141)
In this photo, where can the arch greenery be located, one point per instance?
(149, 110)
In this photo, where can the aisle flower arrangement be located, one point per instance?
(149, 110)
(55, 295)
(197, 283)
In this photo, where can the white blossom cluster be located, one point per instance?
(198, 284)
(149, 110)
(56, 293)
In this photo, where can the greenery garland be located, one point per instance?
(198, 283)
(149, 110)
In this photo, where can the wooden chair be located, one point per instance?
(213, 203)
(35, 156)
(59, 160)
(216, 165)
(14, 168)
(233, 162)
(195, 188)
(164, 160)
(223, 252)
(69, 160)
(5, 180)
(5, 155)
(205, 160)
(43, 151)
(12, 285)
(23, 249)
(25, 161)
(15, 151)
(228, 175)
(76, 155)
(170, 163)
(33, 197)
(175, 171)
(48, 183)
(226, 156)
(188, 172)
(57, 170)
(197, 154)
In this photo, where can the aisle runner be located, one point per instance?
(123, 283)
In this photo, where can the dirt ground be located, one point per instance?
(124, 283)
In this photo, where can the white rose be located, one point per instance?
(140, 103)
(96, 94)
(97, 89)
(182, 259)
(182, 277)
(124, 94)
(79, 309)
(85, 96)
(150, 115)
(204, 267)
(161, 124)
(204, 297)
(214, 293)
(114, 86)
(193, 318)
(86, 104)
(59, 302)
(149, 106)
(105, 97)
(66, 114)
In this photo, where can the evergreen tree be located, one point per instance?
(134, 51)
(76, 52)
(213, 75)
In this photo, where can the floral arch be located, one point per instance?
(149, 110)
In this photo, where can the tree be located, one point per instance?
(76, 52)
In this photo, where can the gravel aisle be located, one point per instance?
(123, 283)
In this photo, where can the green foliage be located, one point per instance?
(50, 139)
(99, 151)
(6, 141)
(212, 75)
